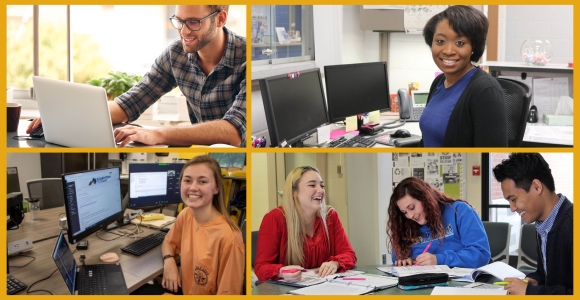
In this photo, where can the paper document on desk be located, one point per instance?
(334, 288)
(310, 277)
(412, 270)
(556, 134)
(168, 220)
(378, 281)
(446, 290)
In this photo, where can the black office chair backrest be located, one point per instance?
(528, 244)
(254, 246)
(498, 235)
(517, 97)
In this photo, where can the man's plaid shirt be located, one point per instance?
(220, 95)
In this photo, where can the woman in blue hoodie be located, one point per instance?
(421, 217)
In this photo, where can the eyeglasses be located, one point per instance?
(193, 25)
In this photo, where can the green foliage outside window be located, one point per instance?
(87, 61)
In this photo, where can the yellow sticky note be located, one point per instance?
(351, 123)
(374, 116)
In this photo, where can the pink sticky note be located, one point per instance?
(337, 133)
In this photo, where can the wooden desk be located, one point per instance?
(267, 288)
(44, 227)
(136, 270)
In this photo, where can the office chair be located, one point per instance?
(517, 97)
(255, 280)
(527, 255)
(13, 183)
(498, 235)
(48, 190)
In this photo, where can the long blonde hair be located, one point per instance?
(219, 201)
(295, 217)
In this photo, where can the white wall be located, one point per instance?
(385, 176)
(357, 45)
(363, 207)
(552, 22)
(337, 40)
(28, 168)
(409, 60)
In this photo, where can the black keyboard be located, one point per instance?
(145, 244)
(91, 280)
(335, 143)
(14, 285)
(356, 141)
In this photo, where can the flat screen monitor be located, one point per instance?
(152, 184)
(92, 201)
(353, 89)
(294, 105)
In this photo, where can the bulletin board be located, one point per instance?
(444, 171)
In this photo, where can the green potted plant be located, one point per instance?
(117, 83)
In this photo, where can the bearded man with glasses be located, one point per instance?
(208, 64)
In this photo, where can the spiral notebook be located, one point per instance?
(353, 285)
(311, 278)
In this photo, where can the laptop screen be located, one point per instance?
(65, 262)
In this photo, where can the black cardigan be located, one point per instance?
(479, 118)
(559, 256)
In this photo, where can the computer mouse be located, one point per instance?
(109, 257)
(401, 133)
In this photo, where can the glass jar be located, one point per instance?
(536, 52)
(34, 207)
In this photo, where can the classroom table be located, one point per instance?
(267, 288)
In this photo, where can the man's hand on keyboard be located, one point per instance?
(126, 134)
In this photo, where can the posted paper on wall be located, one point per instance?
(416, 16)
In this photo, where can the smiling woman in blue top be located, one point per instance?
(465, 107)
(420, 215)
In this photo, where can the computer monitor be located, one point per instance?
(294, 105)
(92, 201)
(353, 89)
(152, 184)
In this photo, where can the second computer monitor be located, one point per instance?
(92, 201)
(152, 184)
(353, 89)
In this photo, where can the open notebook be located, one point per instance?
(497, 269)
(310, 278)
(352, 285)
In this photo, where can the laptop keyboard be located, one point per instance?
(145, 244)
(355, 142)
(91, 280)
(14, 285)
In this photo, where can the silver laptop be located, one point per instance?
(75, 114)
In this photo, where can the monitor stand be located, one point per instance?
(118, 224)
